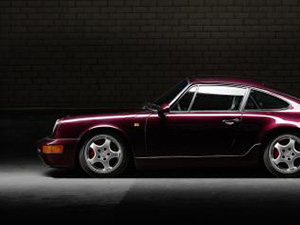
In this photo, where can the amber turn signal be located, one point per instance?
(52, 149)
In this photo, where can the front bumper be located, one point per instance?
(66, 159)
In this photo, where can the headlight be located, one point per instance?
(57, 122)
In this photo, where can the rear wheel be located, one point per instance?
(282, 156)
(104, 155)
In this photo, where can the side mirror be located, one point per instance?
(164, 108)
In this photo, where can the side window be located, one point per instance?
(185, 101)
(251, 104)
(264, 101)
(218, 98)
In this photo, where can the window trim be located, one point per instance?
(181, 96)
(268, 93)
(242, 104)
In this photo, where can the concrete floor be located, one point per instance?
(31, 191)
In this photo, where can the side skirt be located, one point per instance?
(250, 158)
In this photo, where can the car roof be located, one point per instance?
(226, 80)
(243, 82)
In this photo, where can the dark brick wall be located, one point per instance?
(97, 53)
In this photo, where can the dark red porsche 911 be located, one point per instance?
(199, 122)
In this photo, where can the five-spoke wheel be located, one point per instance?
(282, 156)
(103, 155)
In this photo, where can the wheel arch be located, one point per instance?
(265, 139)
(272, 133)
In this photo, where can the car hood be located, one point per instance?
(103, 114)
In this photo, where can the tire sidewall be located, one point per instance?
(118, 171)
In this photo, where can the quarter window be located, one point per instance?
(218, 98)
(251, 104)
(260, 100)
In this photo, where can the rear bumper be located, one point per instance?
(66, 159)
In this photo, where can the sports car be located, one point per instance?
(199, 122)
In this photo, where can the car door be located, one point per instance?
(204, 121)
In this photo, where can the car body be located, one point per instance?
(201, 121)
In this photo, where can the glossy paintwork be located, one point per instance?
(193, 137)
(191, 134)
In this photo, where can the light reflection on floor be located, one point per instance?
(33, 190)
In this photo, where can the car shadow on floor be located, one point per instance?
(174, 173)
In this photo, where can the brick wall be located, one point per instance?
(98, 53)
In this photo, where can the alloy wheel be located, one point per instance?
(284, 154)
(103, 154)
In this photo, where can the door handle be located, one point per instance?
(231, 121)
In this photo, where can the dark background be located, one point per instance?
(82, 56)
(119, 53)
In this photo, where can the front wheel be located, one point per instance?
(104, 155)
(282, 156)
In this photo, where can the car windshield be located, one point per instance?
(172, 93)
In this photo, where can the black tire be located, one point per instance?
(93, 172)
(275, 170)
